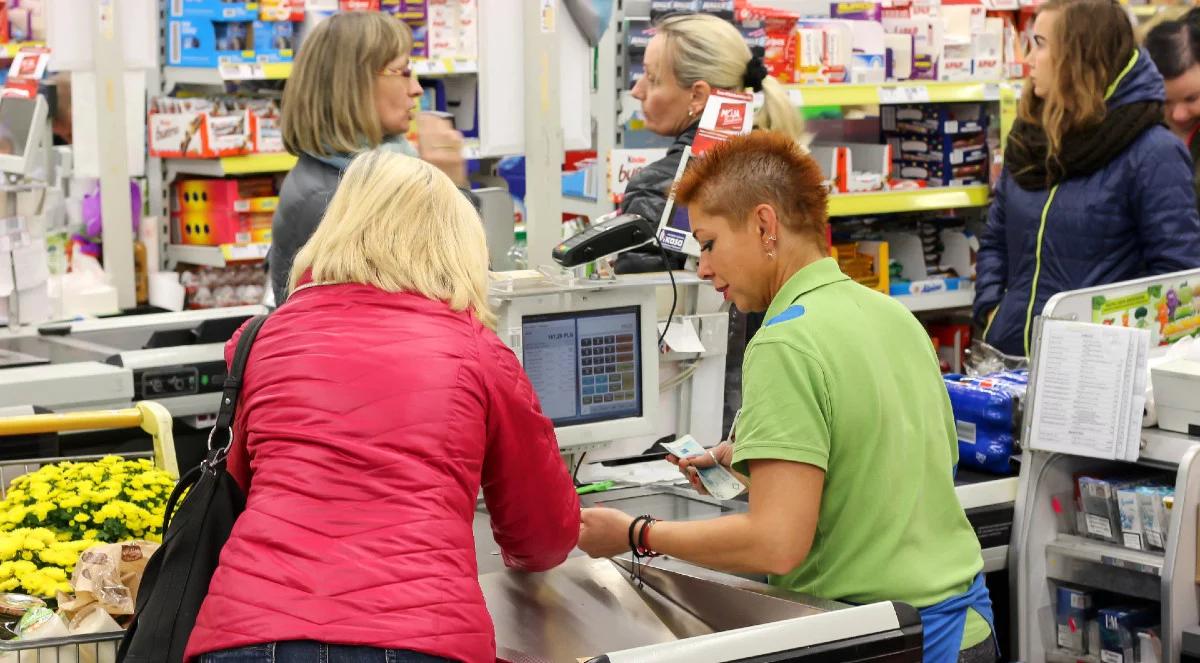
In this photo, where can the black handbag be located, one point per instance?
(176, 578)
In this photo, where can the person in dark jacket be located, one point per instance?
(1095, 190)
(351, 89)
(690, 56)
(1175, 48)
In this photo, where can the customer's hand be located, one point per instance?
(722, 453)
(604, 532)
(441, 145)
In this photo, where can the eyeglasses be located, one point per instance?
(405, 71)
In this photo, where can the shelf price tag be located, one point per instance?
(232, 71)
(245, 251)
(904, 94)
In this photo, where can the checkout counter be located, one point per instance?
(591, 353)
(175, 359)
(590, 610)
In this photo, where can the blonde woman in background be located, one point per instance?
(377, 402)
(689, 56)
(352, 89)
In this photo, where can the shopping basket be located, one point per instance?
(147, 415)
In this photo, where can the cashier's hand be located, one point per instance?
(441, 145)
(722, 453)
(604, 532)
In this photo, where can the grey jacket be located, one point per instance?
(306, 193)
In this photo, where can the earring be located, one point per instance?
(771, 238)
(771, 254)
(691, 112)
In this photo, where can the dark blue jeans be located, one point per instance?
(316, 652)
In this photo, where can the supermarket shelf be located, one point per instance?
(1165, 447)
(1146, 11)
(275, 71)
(249, 164)
(1064, 656)
(918, 200)
(906, 92)
(444, 67)
(256, 164)
(227, 72)
(1107, 554)
(938, 301)
(11, 49)
(216, 256)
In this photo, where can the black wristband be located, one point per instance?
(633, 542)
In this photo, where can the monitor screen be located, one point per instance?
(586, 366)
(16, 123)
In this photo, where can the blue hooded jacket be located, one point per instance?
(1134, 217)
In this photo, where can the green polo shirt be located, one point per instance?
(844, 378)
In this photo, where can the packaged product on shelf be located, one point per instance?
(856, 11)
(1133, 535)
(1154, 515)
(935, 119)
(926, 33)
(359, 5)
(468, 29)
(637, 38)
(1098, 503)
(1118, 631)
(443, 29)
(274, 41)
(781, 43)
(207, 128)
(206, 43)
(1074, 609)
(724, 9)
(209, 287)
(27, 20)
(938, 174)
(291, 11)
(985, 412)
(1149, 645)
(899, 51)
(660, 7)
(954, 150)
(220, 10)
(211, 212)
(414, 11)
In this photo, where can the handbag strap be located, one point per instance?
(233, 379)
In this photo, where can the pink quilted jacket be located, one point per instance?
(368, 423)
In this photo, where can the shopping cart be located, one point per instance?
(147, 415)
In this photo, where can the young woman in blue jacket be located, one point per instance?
(1095, 189)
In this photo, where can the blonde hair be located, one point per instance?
(702, 47)
(400, 224)
(345, 51)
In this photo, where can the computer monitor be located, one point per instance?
(592, 358)
(23, 132)
(674, 228)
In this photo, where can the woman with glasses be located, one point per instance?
(352, 89)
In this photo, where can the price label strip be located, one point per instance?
(718, 481)
(904, 94)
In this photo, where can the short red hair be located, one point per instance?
(734, 177)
